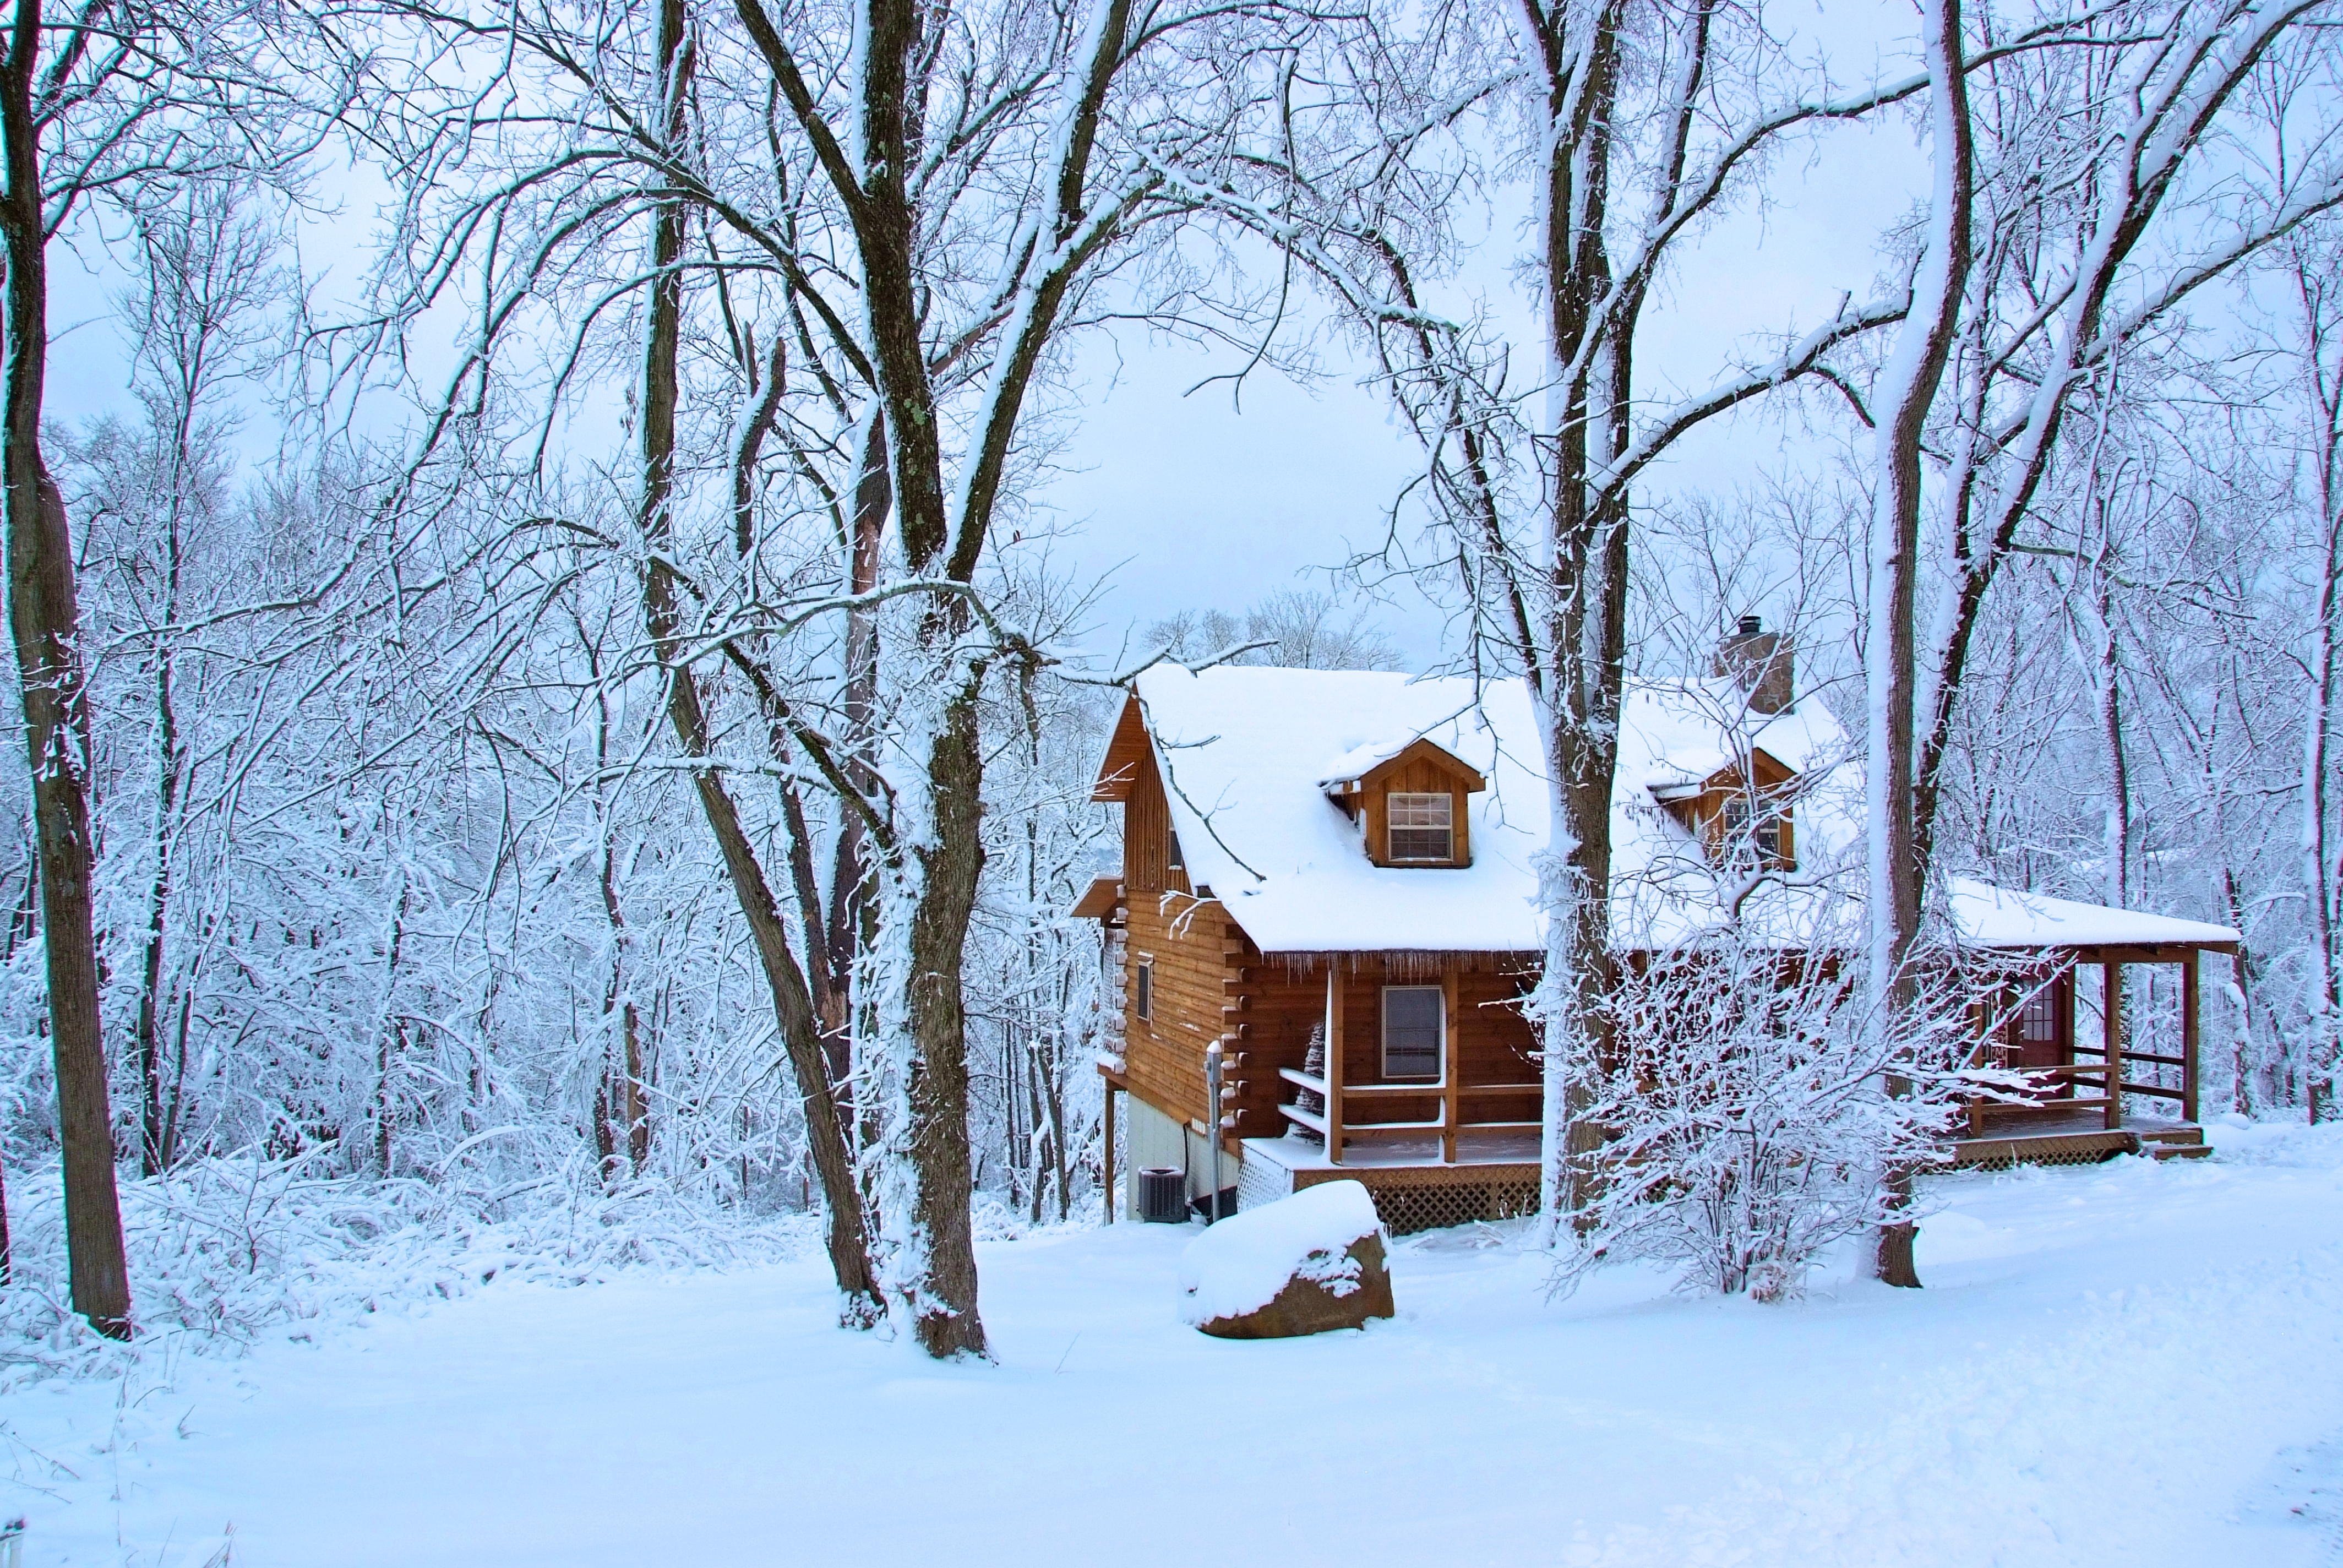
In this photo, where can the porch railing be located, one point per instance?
(2107, 1073)
(1334, 1123)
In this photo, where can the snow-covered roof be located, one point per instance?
(1247, 755)
(1991, 917)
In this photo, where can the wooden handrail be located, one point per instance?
(2127, 1056)
(1310, 1119)
(1317, 1085)
(1394, 1129)
(1429, 1089)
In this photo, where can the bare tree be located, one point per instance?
(106, 105)
(1906, 390)
(865, 311)
(1642, 122)
(2309, 268)
(1293, 629)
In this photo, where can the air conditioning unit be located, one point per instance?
(1163, 1195)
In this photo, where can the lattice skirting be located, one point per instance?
(2054, 1149)
(1435, 1197)
(1261, 1182)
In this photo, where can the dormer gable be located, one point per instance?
(1740, 817)
(1412, 806)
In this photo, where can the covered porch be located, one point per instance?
(2110, 1032)
(1439, 1072)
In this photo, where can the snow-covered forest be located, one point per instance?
(560, 696)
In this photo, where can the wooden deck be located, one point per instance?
(2059, 1137)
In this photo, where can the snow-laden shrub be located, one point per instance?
(224, 1250)
(1752, 1110)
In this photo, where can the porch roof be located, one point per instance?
(1990, 917)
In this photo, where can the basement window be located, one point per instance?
(1422, 827)
(1412, 1030)
(1143, 1003)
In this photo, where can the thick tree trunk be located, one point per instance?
(793, 1011)
(944, 1306)
(44, 619)
(1574, 655)
(1908, 390)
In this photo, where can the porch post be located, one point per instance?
(2191, 998)
(2063, 998)
(1107, 1183)
(1451, 1063)
(1333, 1059)
(2114, 1021)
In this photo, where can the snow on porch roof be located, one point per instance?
(1990, 917)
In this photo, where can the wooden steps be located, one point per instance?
(2186, 1141)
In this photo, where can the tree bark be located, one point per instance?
(44, 619)
(793, 1011)
(936, 1086)
(1908, 390)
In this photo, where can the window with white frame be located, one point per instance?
(1413, 1027)
(1754, 833)
(1143, 1001)
(1421, 827)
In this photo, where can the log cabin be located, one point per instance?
(1332, 876)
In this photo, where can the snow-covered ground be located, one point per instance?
(2124, 1363)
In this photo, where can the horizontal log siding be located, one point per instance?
(1164, 1058)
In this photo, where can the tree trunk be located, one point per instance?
(45, 620)
(943, 1292)
(2320, 854)
(156, 1152)
(793, 1011)
(1908, 390)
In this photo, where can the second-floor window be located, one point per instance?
(1755, 833)
(1423, 827)
(1143, 1001)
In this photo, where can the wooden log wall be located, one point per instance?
(1189, 944)
(1147, 866)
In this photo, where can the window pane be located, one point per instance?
(1411, 1032)
(2041, 1018)
(1421, 827)
(1147, 990)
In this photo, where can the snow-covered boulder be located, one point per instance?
(1302, 1265)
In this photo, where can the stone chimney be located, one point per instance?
(1760, 660)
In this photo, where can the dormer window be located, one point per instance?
(1756, 832)
(1410, 805)
(1422, 829)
